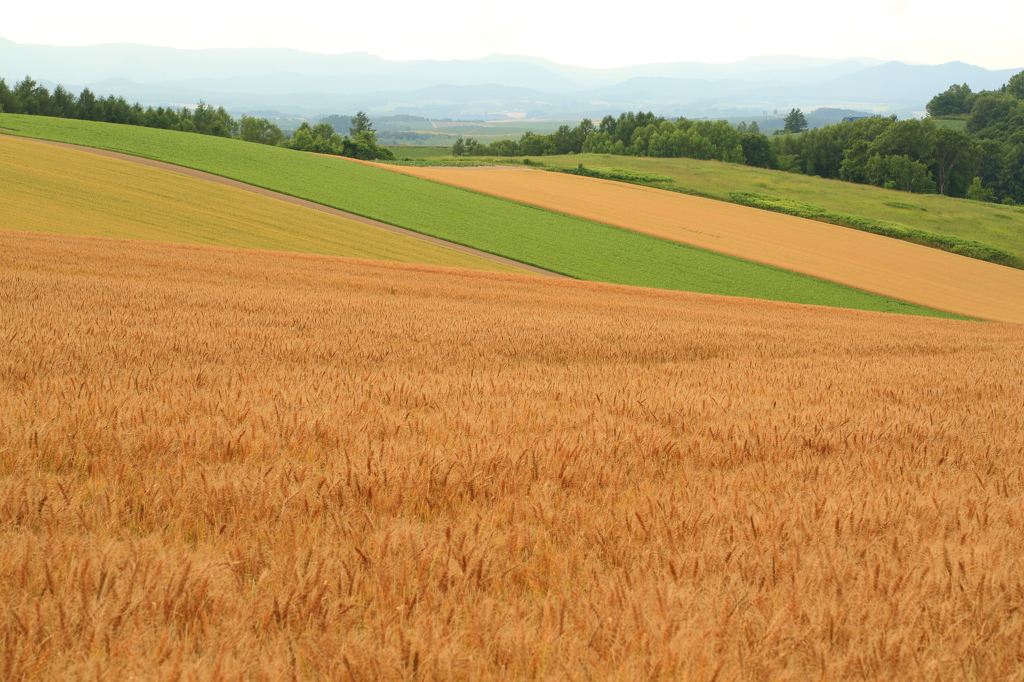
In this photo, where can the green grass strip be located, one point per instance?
(553, 241)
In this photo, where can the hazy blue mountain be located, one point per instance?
(898, 82)
(659, 88)
(308, 84)
(752, 68)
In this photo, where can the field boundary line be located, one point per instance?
(202, 175)
(874, 274)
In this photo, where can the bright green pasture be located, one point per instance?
(989, 223)
(572, 246)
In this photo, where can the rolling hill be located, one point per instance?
(869, 262)
(1001, 226)
(559, 243)
(49, 189)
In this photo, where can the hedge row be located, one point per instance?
(620, 174)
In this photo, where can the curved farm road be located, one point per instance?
(890, 267)
(298, 202)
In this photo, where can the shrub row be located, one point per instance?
(620, 174)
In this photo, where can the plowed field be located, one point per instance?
(869, 262)
(49, 189)
(218, 464)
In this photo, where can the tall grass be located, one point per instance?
(220, 464)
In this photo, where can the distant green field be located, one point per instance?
(572, 246)
(992, 224)
(511, 127)
(493, 131)
(420, 152)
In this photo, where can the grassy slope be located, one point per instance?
(989, 223)
(48, 189)
(572, 246)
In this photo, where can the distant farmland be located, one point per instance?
(48, 189)
(220, 464)
(420, 152)
(559, 243)
(885, 266)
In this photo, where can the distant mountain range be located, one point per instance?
(309, 84)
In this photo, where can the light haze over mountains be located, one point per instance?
(310, 84)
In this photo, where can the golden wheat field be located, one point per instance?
(45, 188)
(235, 465)
(889, 267)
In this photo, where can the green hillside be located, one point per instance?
(572, 246)
(62, 191)
(1000, 226)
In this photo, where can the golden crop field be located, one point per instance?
(236, 465)
(890, 267)
(49, 189)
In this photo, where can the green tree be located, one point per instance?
(958, 99)
(855, 161)
(563, 141)
(7, 101)
(260, 130)
(900, 172)
(757, 150)
(978, 193)
(365, 147)
(33, 98)
(531, 144)
(795, 122)
(913, 138)
(320, 139)
(361, 123)
(88, 109)
(990, 109)
(62, 103)
(957, 159)
(1015, 87)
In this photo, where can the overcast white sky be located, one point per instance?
(985, 33)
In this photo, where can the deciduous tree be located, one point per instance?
(958, 99)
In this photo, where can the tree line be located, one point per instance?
(636, 134)
(984, 162)
(360, 143)
(29, 97)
